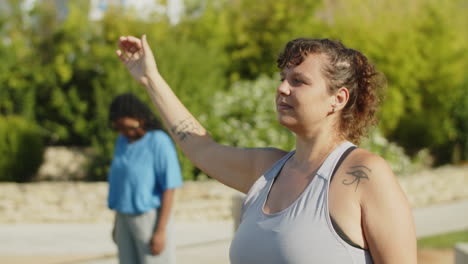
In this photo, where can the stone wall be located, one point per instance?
(64, 164)
(444, 184)
(86, 202)
(195, 201)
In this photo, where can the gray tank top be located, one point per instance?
(300, 234)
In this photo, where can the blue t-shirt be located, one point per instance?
(141, 171)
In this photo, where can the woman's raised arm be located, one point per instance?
(234, 167)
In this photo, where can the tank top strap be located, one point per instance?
(274, 170)
(328, 166)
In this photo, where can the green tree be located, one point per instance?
(64, 71)
(16, 70)
(251, 35)
(421, 48)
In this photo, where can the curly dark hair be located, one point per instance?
(343, 68)
(128, 105)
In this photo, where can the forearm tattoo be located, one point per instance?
(359, 173)
(185, 129)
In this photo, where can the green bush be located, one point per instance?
(21, 149)
(245, 116)
(401, 163)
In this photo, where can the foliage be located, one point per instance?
(62, 72)
(21, 148)
(245, 116)
(428, 54)
(395, 155)
(68, 73)
(251, 35)
(422, 50)
(460, 115)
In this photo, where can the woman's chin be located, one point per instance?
(287, 122)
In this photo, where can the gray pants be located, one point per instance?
(133, 235)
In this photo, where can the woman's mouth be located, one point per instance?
(283, 107)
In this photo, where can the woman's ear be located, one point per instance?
(341, 97)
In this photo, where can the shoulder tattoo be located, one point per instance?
(357, 173)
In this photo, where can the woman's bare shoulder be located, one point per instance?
(368, 160)
(374, 174)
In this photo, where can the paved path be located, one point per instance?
(204, 242)
(441, 218)
(197, 242)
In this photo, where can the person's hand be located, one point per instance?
(114, 227)
(158, 242)
(113, 235)
(136, 54)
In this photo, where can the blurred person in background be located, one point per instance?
(325, 202)
(143, 176)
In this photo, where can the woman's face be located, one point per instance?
(302, 99)
(129, 127)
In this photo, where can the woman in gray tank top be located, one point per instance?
(325, 202)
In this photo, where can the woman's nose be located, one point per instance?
(284, 88)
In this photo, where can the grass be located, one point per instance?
(443, 241)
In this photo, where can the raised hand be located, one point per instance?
(136, 54)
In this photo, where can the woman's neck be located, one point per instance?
(315, 149)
